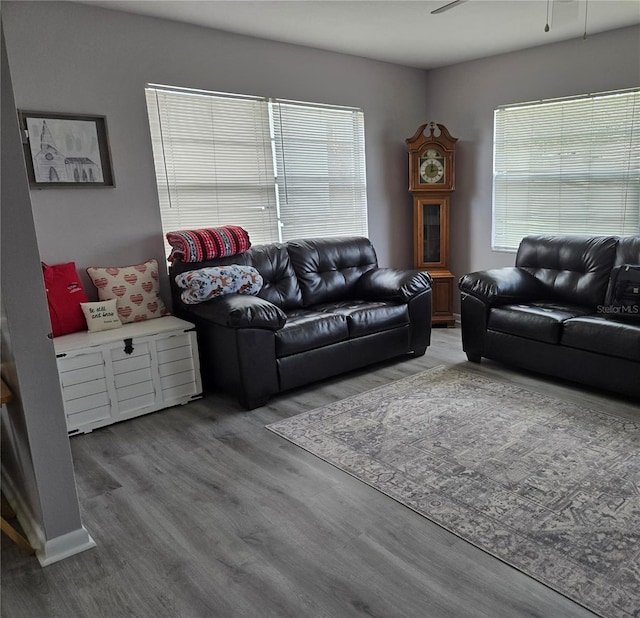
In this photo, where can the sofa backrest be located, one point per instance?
(574, 269)
(280, 285)
(328, 268)
(628, 250)
(300, 272)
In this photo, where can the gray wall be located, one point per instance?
(76, 58)
(36, 458)
(463, 98)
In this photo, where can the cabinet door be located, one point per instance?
(85, 392)
(431, 231)
(132, 377)
(178, 366)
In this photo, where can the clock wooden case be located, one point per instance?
(431, 181)
(431, 159)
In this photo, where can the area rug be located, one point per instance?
(547, 486)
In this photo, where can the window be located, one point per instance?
(280, 169)
(567, 166)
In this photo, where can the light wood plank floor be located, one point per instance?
(199, 511)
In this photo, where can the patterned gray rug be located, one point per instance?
(547, 486)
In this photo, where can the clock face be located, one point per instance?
(432, 167)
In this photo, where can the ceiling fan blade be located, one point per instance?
(446, 7)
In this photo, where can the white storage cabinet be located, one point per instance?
(113, 375)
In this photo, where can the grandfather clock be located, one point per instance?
(431, 182)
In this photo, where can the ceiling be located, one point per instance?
(402, 32)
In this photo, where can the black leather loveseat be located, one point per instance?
(325, 308)
(555, 312)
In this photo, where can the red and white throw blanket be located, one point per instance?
(206, 244)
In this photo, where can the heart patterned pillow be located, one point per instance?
(135, 288)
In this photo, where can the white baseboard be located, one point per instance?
(457, 318)
(47, 551)
(63, 546)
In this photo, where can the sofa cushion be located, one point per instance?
(329, 268)
(539, 321)
(628, 250)
(367, 317)
(574, 269)
(279, 286)
(603, 335)
(307, 330)
(203, 284)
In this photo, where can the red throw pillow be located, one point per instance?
(64, 295)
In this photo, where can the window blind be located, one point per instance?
(213, 162)
(279, 169)
(321, 170)
(567, 166)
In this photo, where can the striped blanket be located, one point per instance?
(206, 244)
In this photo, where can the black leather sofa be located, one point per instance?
(325, 308)
(554, 312)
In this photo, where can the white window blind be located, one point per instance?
(321, 170)
(279, 169)
(214, 162)
(569, 166)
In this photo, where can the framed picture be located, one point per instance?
(66, 150)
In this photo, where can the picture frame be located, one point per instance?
(66, 150)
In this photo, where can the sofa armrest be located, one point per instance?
(240, 311)
(392, 284)
(503, 286)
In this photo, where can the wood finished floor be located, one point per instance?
(199, 511)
